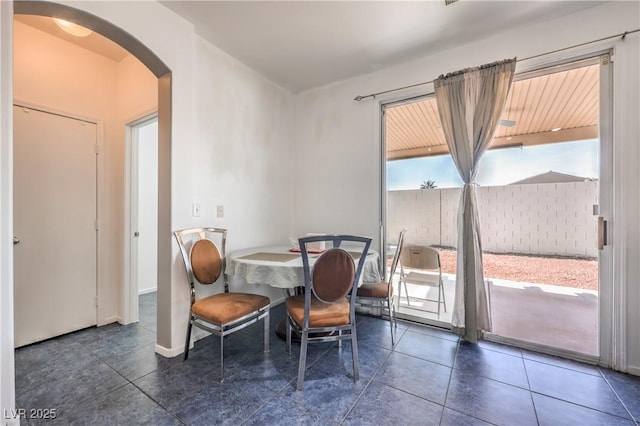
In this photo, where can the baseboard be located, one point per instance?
(149, 290)
(109, 320)
(633, 370)
(169, 352)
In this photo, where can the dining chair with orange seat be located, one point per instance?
(326, 310)
(223, 313)
(382, 292)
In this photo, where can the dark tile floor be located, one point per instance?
(111, 375)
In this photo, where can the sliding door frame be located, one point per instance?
(611, 309)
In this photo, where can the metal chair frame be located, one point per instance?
(326, 334)
(220, 330)
(436, 282)
(388, 301)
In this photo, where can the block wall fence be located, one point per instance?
(548, 219)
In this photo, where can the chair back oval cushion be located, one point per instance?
(206, 261)
(333, 275)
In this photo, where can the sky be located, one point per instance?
(500, 166)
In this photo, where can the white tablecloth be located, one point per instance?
(285, 274)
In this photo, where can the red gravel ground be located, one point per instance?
(565, 272)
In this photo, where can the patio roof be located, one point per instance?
(557, 107)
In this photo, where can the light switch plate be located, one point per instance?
(195, 209)
(220, 211)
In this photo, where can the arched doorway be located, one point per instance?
(162, 72)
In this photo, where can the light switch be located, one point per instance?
(220, 211)
(195, 209)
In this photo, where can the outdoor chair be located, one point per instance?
(424, 269)
(326, 310)
(382, 293)
(223, 313)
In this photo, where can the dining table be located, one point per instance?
(280, 266)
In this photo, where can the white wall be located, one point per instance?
(242, 154)
(7, 376)
(136, 93)
(337, 163)
(338, 141)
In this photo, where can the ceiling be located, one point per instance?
(93, 42)
(305, 44)
(557, 107)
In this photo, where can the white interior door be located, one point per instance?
(145, 140)
(55, 220)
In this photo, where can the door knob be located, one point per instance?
(16, 240)
(136, 234)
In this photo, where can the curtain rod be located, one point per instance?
(621, 35)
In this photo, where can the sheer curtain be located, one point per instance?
(470, 103)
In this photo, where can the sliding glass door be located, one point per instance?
(539, 205)
(422, 192)
(543, 185)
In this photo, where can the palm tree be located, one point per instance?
(428, 184)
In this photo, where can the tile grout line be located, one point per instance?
(446, 395)
(583, 406)
(562, 363)
(533, 402)
(274, 396)
(132, 382)
(139, 389)
(600, 375)
(618, 397)
(410, 393)
(366, 387)
(453, 368)
(153, 399)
